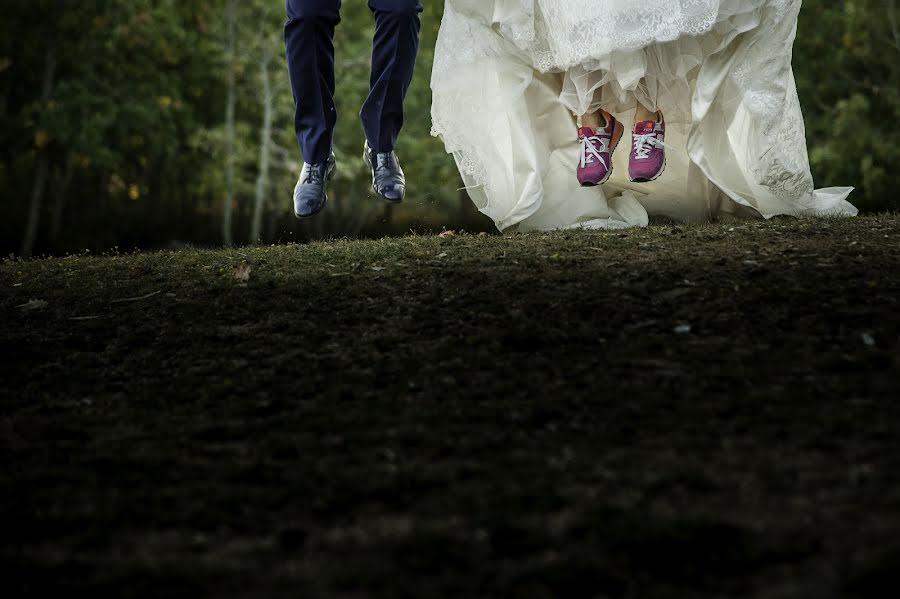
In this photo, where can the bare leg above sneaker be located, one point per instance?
(643, 114)
(595, 120)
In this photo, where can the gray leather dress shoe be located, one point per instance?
(388, 181)
(309, 194)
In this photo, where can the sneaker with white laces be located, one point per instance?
(597, 147)
(648, 151)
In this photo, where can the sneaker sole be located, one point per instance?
(651, 179)
(617, 137)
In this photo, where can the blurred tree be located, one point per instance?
(40, 175)
(265, 56)
(231, 16)
(126, 81)
(847, 62)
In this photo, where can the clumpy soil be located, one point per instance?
(679, 411)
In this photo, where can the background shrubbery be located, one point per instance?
(114, 128)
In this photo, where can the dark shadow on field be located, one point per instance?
(677, 412)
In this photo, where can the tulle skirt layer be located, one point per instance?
(510, 74)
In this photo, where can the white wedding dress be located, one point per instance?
(510, 74)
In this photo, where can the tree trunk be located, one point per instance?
(61, 193)
(231, 42)
(262, 181)
(42, 166)
(37, 200)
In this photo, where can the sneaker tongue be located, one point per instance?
(585, 132)
(645, 127)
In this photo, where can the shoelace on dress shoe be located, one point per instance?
(386, 161)
(315, 173)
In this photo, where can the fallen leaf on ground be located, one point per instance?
(135, 299)
(242, 274)
(673, 293)
(32, 305)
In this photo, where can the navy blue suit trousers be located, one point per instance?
(309, 41)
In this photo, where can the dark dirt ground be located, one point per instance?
(520, 416)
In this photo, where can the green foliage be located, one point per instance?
(847, 63)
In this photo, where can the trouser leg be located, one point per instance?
(309, 42)
(394, 50)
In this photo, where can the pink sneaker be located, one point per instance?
(596, 151)
(648, 153)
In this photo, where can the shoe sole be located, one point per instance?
(368, 160)
(651, 179)
(617, 137)
(329, 175)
